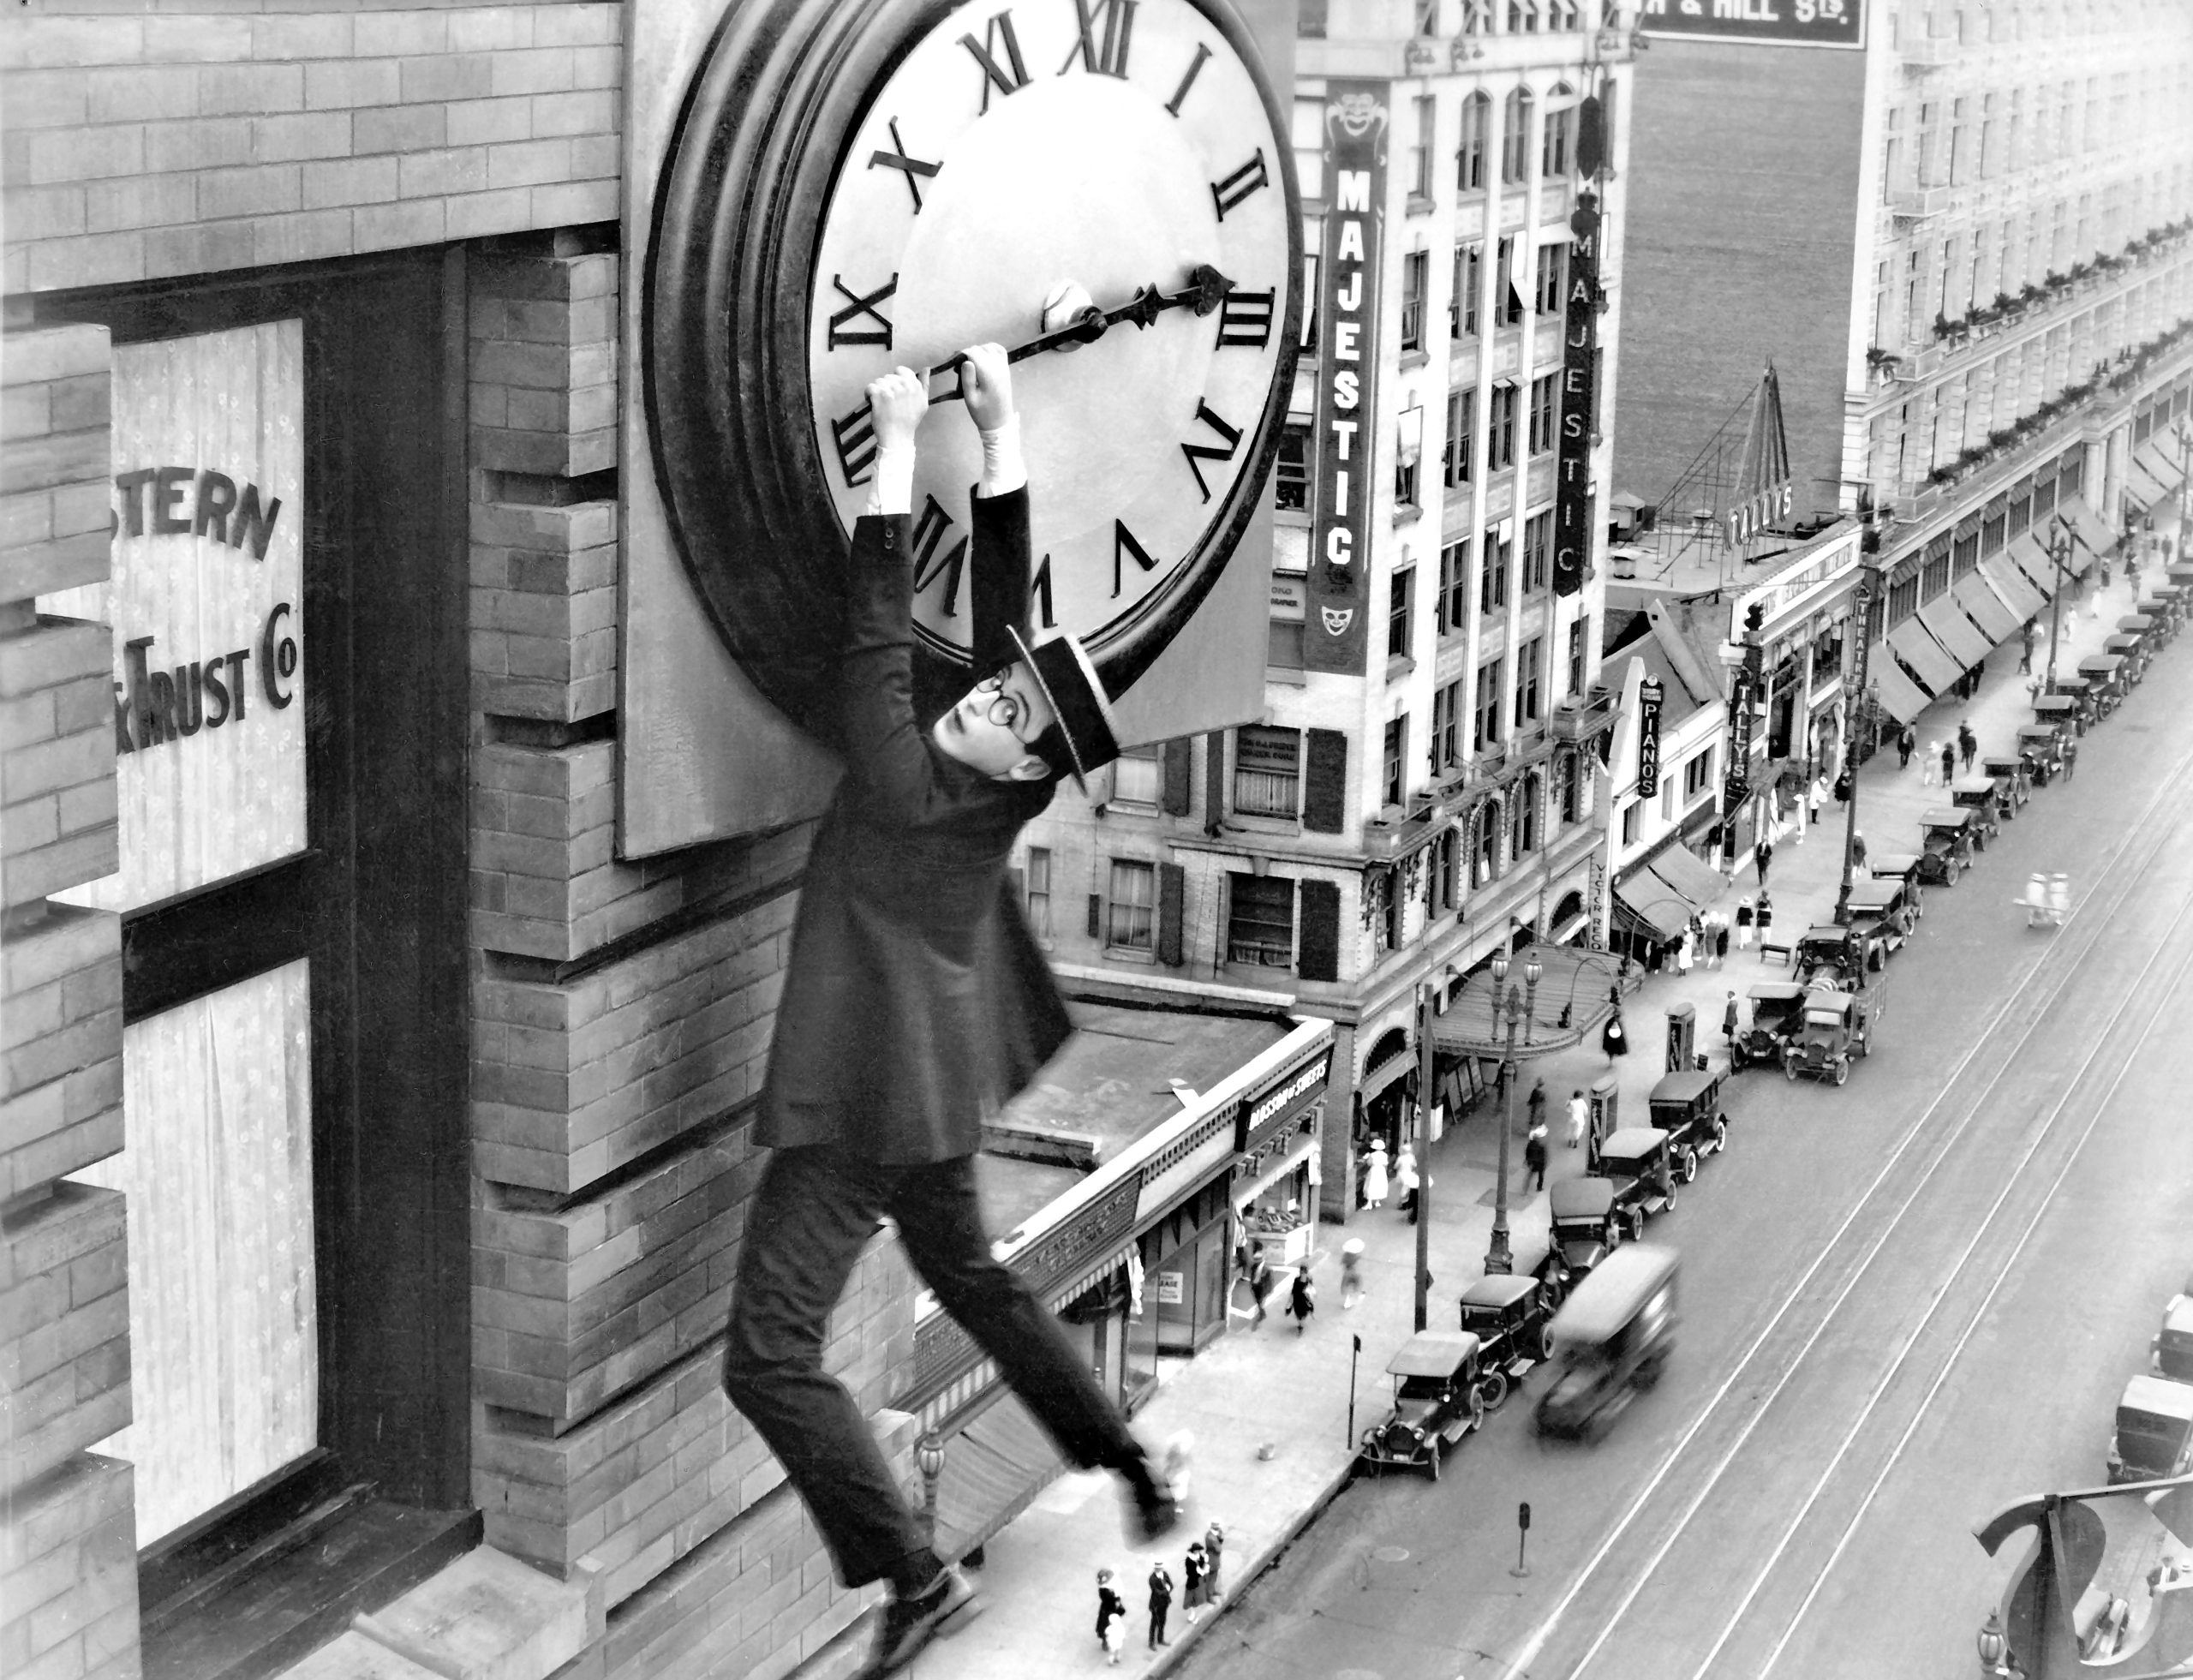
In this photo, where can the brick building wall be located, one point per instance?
(68, 1531)
(619, 1012)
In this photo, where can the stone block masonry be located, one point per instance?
(68, 1524)
(141, 146)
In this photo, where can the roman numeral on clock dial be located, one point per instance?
(859, 306)
(855, 437)
(1197, 452)
(934, 561)
(1008, 78)
(1123, 544)
(913, 169)
(1244, 319)
(1236, 187)
(1195, 68)
(1104, 55)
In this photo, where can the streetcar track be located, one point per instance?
(2089, 917)
(2184, 964)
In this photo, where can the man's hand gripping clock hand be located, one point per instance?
(986, 382)
(896, 402)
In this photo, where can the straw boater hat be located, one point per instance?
(1077, 697)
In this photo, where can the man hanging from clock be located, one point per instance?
(916, 1003)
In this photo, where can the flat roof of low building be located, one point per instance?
(1110, 1086)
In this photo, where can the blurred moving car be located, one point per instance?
(1610, 1342)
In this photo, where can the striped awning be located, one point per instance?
(2018, 591)
(994, 1468)
(1976, 599)
(1956, 633)
(1900, 698)
(1911, 643)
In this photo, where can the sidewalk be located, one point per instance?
(1269, 1409)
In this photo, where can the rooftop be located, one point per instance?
(1677, 560)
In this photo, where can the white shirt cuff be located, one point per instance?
(1003, 470)
(891, 490)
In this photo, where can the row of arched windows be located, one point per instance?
(1557, 146)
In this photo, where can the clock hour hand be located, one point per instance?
(1206, 290)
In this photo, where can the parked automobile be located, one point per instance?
(1507, 1315)
(1882, 912)
(1610, 1341)
(1687, 1106)
(2131, 648)
(1977, 795)
(2013, 786)
(1837, 955)
(2105, 675)
(2153, 1436)
(1838, 1028)
(1437, 1400)
(1948, 845)
(2171, 1353)
(2065, 710)
(1901, 866)
(1634, 1161)
(2042, 746)
(1776, 1007)
(1586, 1228)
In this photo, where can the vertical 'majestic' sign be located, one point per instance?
(1337, 633)
(1579, 347)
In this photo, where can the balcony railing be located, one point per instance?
(1580, 721)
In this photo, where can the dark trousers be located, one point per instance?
(815, 1211)
(1157, 1624)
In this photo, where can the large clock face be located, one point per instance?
(1120, 146)
(855, 187)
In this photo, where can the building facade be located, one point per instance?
(374, 1135)
(1985, 211)
(1395, 817)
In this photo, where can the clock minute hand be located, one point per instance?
(1206, 290)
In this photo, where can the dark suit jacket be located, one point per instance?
(915, 1000)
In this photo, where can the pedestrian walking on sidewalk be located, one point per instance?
(1949, 763)
(1683, 953)
(1374, 1176)
(1816, 796)
(1303, 1301)
(1536, 1106)
(1534, 1159)
(1858, 847)
(1111, 1618)
(1404, 1181)
(2070, 757)
(1968, 743)
(1766, 921)
(2104, 572)
(1907, 740)
(1580, 1116)
(1195, 1576)
(1351, 1273)
(1843, 785)
(1743, 924)
(1762, 855)
(1160, 1601)
(1720, 941)
(1614, 1041)
(1213, 1547)
(1260, 1280)
(1730, 1021)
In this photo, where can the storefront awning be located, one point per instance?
(1387, 1073)
(2142, 487)
(1900, 697)
(1956, 633)
(2019, 592)
(2093, 530)
(1910, 642)
(2030, 555)
(994, 1468)
(1684, 874)
(1977, 600)
(2160, 465)
(1645, 904)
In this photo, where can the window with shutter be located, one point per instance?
(1324, 803)
(1172, 894)
(1179, 762)
(1320, 959)
(1260, 920)
(1134, 896)
(1267, 771)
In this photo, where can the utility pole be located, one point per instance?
(1854, 698)
(1426, 992)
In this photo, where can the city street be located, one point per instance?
(1903, 1302)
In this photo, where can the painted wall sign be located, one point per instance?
(1759, 22)
(1337, 634)
(204, 599)
(1580, 343)
(1650, 694)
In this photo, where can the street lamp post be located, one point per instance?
(1425, 1004)
(1500, 1258)
(1853, 701)
(1994, 1649)
(2060, 550)
(2183, 433)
